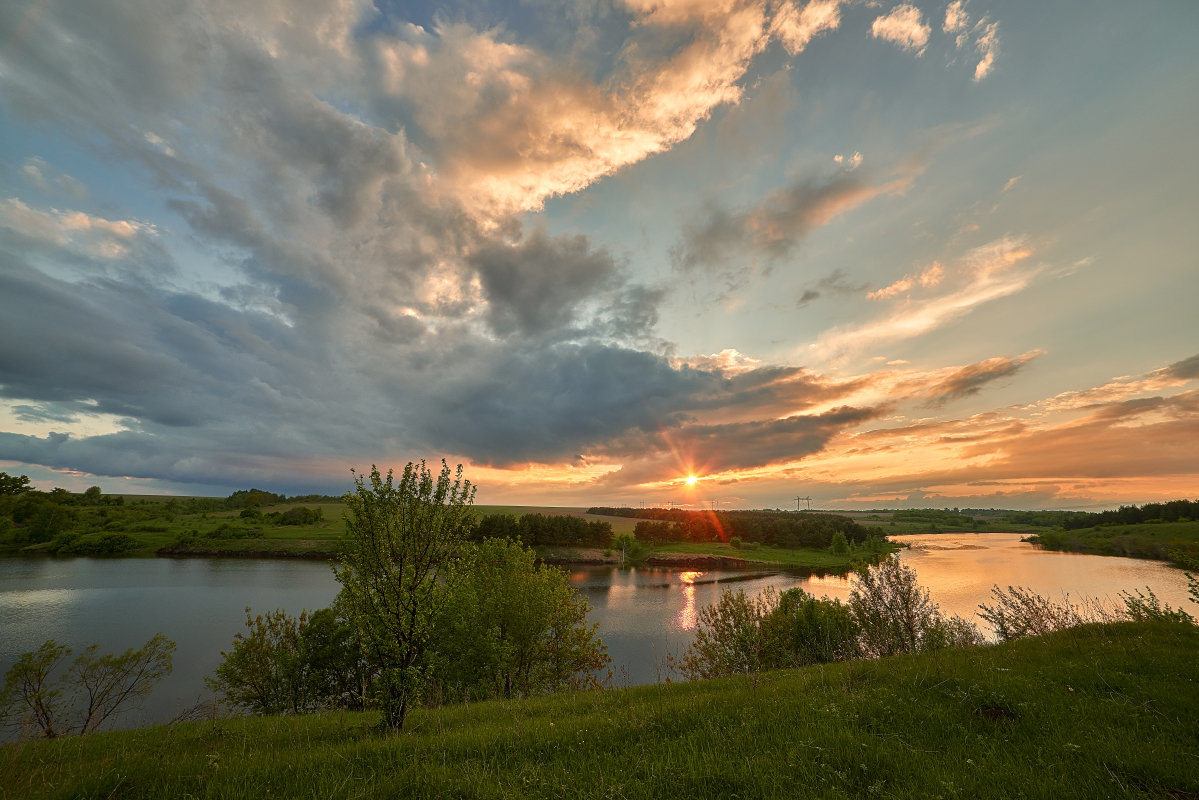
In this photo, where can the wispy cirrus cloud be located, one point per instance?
(981, 275)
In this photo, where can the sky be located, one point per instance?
(873, 254)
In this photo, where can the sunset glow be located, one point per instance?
(709, 255)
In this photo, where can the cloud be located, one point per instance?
(985, 34)
(539, 284)
(970, 380)
(956, 19)
(508, 128)
(987, 45)
(1187, 369)
(776, 225)
(82, 234)
(1125, 388)
(903, 26)
(796, 29)
(836, 283)
(928, 278)
(51, 181)
(981, 275)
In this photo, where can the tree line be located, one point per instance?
(536, 530)
(1172, 511)
(781, 528)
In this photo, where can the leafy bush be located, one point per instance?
(292, 665)
(105, 544)
(728, 639)
(895, 614)
(301, 515)
(743, 635)
(512, 628)
(1147, 608)
(804, 630)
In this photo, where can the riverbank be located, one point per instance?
(1102, 711)
(1174, 542)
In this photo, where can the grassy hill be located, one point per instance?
(1098, 711)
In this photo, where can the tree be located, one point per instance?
(395, 570)
(93, 688)
(13, 484)
(512, 628)
(293, 665)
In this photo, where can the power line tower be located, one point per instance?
(800, 500)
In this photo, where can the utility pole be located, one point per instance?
(798, 500)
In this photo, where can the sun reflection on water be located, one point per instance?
(687, 614)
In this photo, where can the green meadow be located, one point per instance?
(1096, 711)
(146, 526)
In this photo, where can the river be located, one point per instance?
(643, 614)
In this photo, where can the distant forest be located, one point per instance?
(783, 528)
(1173, 511)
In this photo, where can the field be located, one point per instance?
(145, 526)
(1098, 711)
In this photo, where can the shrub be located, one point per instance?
(895, 614)
(804, 630)
(1021, 612)
(292, 665)
(1147, 608)
(727, 637)
(743, 635)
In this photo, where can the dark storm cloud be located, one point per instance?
(765, 442)
(547, 404)
(539, 284)
(37, 414)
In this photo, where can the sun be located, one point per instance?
(691, 480)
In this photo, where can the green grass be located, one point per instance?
(1100, 711)
(153, 526)
(1167, 541)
